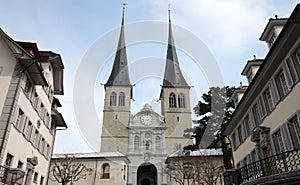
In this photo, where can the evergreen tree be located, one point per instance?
(215, 112)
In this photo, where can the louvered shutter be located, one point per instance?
(14, 115)
(274, 92)
(293, 69)
(287, 75)
(286, 137)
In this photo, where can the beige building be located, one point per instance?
(147, 137)
(102, 168)
(265, 127)
(29, 80)
(200, 167)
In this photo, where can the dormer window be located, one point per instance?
(272, 40)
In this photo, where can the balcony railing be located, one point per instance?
(3, 173)
(276, 164)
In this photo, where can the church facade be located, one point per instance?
(147, 137)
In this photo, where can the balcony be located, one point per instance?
(283, 167)
(11, 176)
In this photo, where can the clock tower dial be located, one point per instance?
(146, 119)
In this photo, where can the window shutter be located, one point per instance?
(293, 134)
(293, 68)
(24, 124)
(274, 92)
(296, 62)
(288, 145)
(287, 75)
(14, 115)
(261, 108)
(273, 145)
(251, 121)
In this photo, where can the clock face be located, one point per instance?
(146, 119)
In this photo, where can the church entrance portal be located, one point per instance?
(147, 174)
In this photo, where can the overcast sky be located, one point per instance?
(227, 34)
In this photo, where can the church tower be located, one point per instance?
(175, 99)
(118, 95)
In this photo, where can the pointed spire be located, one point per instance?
(119, 75)
(173, 76)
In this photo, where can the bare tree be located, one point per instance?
(67, 170)
(208, 170)
(179, 170)
(187, 170)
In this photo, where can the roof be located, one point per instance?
(119, 75)
(197, 153)
(58, 70)
(92, 155)
(27, 54)
(254, 62)
(285, 41)
(272, 22)
(58, 119)
(173, 76)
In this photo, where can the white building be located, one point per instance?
(265, 126)
(29, 80)
(102, 168)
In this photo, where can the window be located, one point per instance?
(272, 40)
(247, 126)
(42, 180)
(281, 84)
(121, 99)
(9, 159)
(28, 88)
(147, 145)
(42, 145)
(233, 139)
(294, 129)
(20, 119)
(20, 165)
(124, 174)
(28, 130)
(294, 68)
(136, 143)
(181, 101)
(113, 99)
(172, 100)
(47, 151)
(268, 100)
(35, 177)
(240, 134)
(157, 143)
(188, 169)
(105, 171)
(255, 115)
(278, 142)
(35, 138)
(253, 157)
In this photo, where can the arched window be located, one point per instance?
(136, 143)
(172, 100)
(105, 171)
(113, 99)
(181, 101)
(157, 143)
(121, 99)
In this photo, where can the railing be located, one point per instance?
(280, 163)
(3, 173)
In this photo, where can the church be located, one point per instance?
(147, 137)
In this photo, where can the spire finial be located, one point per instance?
(124, 6)
(169, 10)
